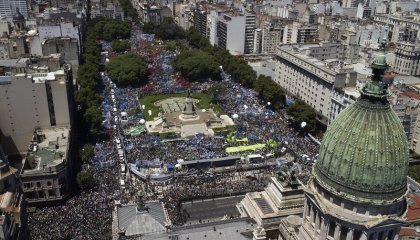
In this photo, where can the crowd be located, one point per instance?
(88, 214)
(84, 216)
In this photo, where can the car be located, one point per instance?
(118, 140)
(119, 146)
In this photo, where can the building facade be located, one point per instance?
(312, 80)
(407, 59)
(31, 101)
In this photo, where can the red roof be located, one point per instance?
(411, 95)
(413, 211)
(408, 232)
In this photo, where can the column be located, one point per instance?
(337, 231)
(350, 234)
(324, 228)
(364, 236)
(317, 221)
(305, 212)
(311, 216)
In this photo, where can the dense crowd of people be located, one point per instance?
(88, 214)
(84, 216)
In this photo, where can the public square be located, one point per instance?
(89, 213)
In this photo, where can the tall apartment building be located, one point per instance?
(185, 17)
(271, 37)
(351, 48)
(301, 33)
(200, 22)
(312, 80)
(235, 32)
(250, 23)
(37, 98)
(407, 59)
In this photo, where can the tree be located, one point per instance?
(301, 112)
(414, 172)
(87, 152)
(217, 92)
(93, 117)
(127, 70)
(129, 10)
(120, 46)
(112, 29)
(85, 179)
(270, 91)
(171, 46)
(166, 30)
(197, 65)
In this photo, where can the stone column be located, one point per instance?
(364, 236)
(350, 234)
(305, 212)
(324, 228)
(317, 221)
(311, 216)
(337, 231)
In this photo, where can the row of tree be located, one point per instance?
(88, 80)
(267, 89)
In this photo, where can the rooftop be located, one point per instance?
(133, 222)
(413, 210)
(48, 148)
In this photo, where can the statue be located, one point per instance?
(286, 175)
(141, 205)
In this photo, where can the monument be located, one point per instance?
(180, 116)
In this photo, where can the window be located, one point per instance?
(331, 229)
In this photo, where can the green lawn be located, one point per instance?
(148, 102)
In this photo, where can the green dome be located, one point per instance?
(364, 153)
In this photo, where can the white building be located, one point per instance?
(235, 32)
(407, 59)
(312, 80)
